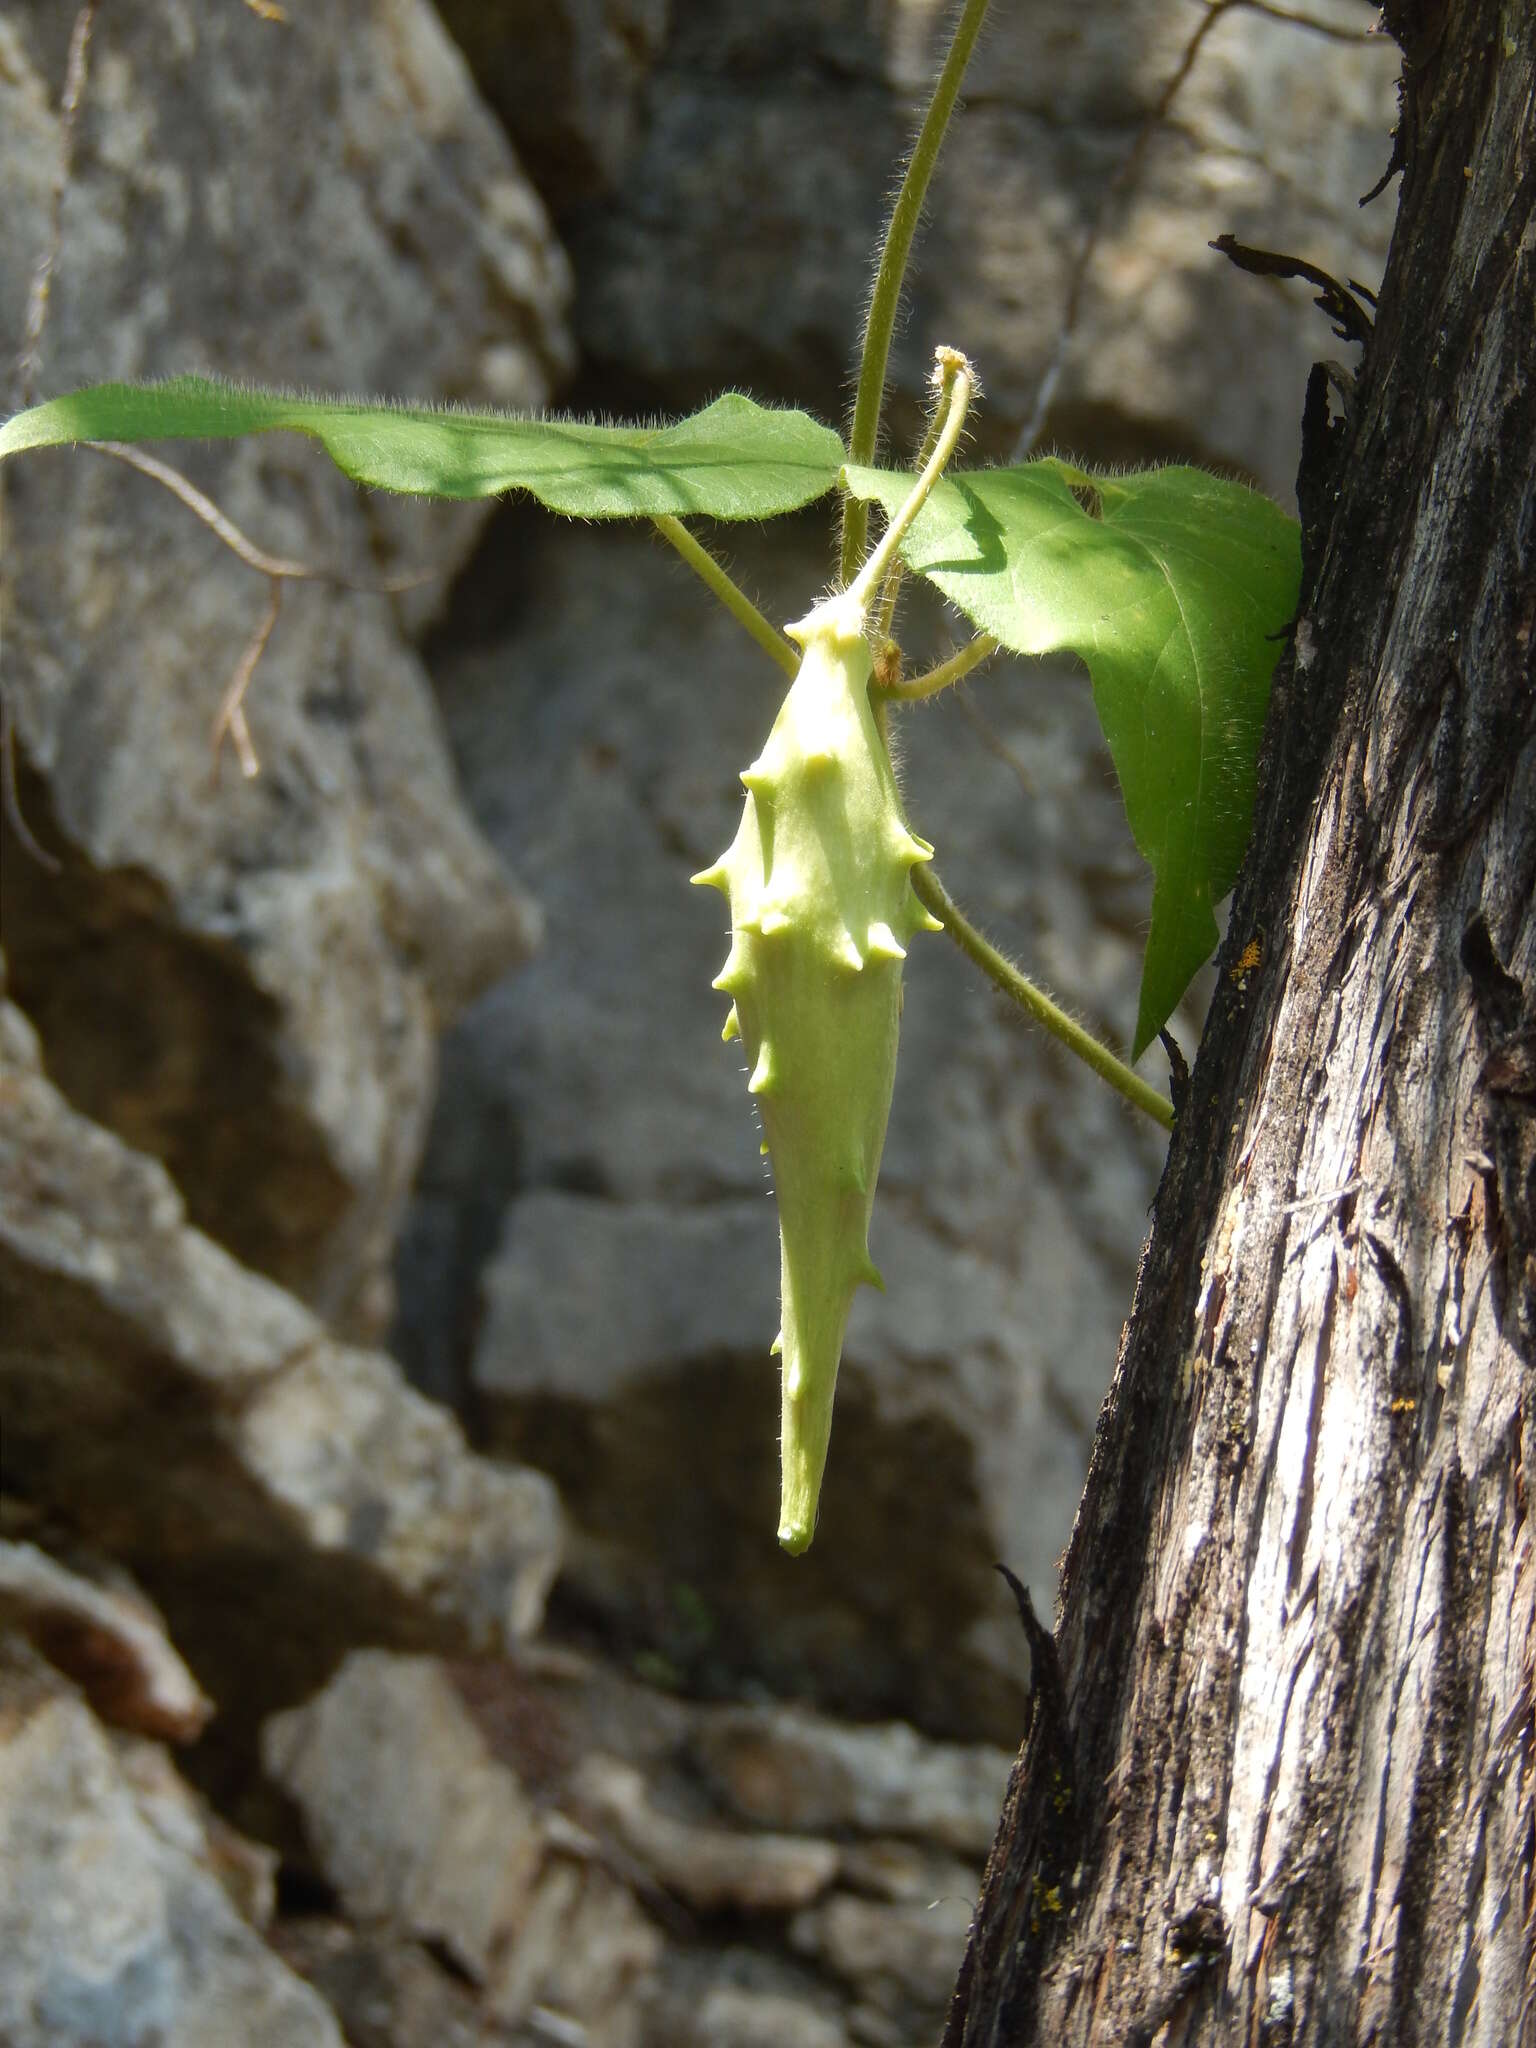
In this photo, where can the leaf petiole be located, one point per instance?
(913, 689)
(955, 381)
(730, 593)
(1021, 990)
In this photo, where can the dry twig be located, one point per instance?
(76, 70)
(230, 721)
(1125, 173)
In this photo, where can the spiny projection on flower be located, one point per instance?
(822, 907)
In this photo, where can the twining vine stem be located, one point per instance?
(884, 300)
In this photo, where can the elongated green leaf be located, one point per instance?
(1174, 587)
(733, 460)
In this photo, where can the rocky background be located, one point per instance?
(393, 1645)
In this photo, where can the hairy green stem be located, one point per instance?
(886, 296)
(956, 380)
(1036, 1002)
(885, 611)
(913, 689)
(731, 595)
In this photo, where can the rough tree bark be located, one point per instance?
(1281, 1786)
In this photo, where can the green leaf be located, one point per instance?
(1174, 587)
(733, 460)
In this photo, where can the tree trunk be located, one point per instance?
(1280, 1780)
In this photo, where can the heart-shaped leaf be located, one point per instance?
(1174, 587)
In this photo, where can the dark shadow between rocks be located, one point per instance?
(165, 1039)
(672, 1489)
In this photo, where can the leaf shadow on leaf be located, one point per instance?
(991, 556)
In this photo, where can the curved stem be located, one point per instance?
(886, 296)
(931, 891)
(956, 380)
(885, 611)
(913, 689)
(731, 595)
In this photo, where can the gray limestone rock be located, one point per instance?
(731, 2016)
(589, 1853)
(106, 1636)
(582, 1967)
(428, 1836)
(713, 1869)
(901, 1958)
(786, 1768)
(407, 1814)
(111, 1931)
(386, 1991)
(280, 1495)
(256, 971)
(245, 1869)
